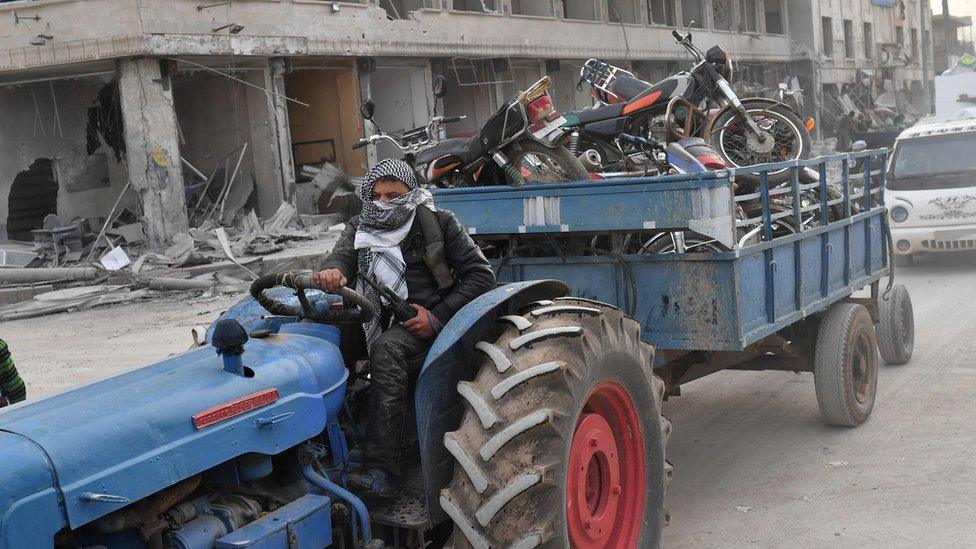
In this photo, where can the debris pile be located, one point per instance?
(79, 264)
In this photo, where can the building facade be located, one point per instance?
(865, 54)
(137, 98)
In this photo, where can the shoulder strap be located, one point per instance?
(434, 255)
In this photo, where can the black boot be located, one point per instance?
(373, 482)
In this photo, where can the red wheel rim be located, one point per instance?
(605, 481)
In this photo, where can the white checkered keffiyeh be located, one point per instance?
(382, 226)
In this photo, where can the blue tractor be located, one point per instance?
(537, 418)
(246, 442)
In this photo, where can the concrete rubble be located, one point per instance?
(70, 266)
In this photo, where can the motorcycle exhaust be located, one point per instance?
(591, 160)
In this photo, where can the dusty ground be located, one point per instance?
(754, 464)
(57, 352)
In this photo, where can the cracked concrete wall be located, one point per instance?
(31, 128)
(151, 137)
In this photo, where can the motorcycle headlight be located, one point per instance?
(899, 214)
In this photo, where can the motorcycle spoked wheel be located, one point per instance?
(669, 243)
(739, 148)
(540, 164)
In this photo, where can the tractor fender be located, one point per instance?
(707, 134)
(452, 359)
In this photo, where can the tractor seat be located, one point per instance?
(468, 150)
(587, 116)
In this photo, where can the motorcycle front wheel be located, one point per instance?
(540, 164)
(788, 139)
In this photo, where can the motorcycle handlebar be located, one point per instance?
(450, 119)
(360, 144)
(677, 35)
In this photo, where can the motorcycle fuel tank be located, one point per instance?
(119, 440)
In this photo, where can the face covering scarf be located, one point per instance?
(382, 227)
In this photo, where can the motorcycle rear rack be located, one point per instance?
(600, 75)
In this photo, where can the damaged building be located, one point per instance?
(868, 63)
(173, 111)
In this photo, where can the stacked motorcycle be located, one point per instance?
(690, 122)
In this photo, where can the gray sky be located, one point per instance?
(956, 7)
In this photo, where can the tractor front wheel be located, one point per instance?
(562, 443)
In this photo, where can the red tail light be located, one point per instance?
(540, 109)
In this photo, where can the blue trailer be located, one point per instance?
(537, 412)
(718, 278)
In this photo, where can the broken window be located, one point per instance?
(722, 14)
(540, 8)
(483, 6)
(399, 9)
(774, 17)
(33, 195)
(660, 12)
(827, 31)
(848, 39)
(580, 9)
(748, 16)
(692, 13)
(622, 11)
(868, 41)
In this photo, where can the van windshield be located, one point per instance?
(936, 155)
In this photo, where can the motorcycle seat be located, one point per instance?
(627, 88)
(587, 116)
(468, 150)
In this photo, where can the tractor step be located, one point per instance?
(408, 511)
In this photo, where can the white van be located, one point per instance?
(931, 188)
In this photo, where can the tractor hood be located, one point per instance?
(126, 437)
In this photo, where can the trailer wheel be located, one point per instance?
(896, 329)
(845, 367)
(562, 443)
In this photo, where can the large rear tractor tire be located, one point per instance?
(896, 329)
(562, 444)
(845, 370)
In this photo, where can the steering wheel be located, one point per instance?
(300, 283)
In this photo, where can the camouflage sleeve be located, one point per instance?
(11, 385)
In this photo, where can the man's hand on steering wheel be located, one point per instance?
(422, 325)
(329, 280)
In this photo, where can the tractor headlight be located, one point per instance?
(899, 214)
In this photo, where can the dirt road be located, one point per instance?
(754, 465)
(54, 353)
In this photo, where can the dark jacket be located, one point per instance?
(472, 273)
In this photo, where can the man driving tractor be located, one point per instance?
(424, 255)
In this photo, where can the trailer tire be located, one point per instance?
(896, 327)
(562, 441)
(845, 367)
